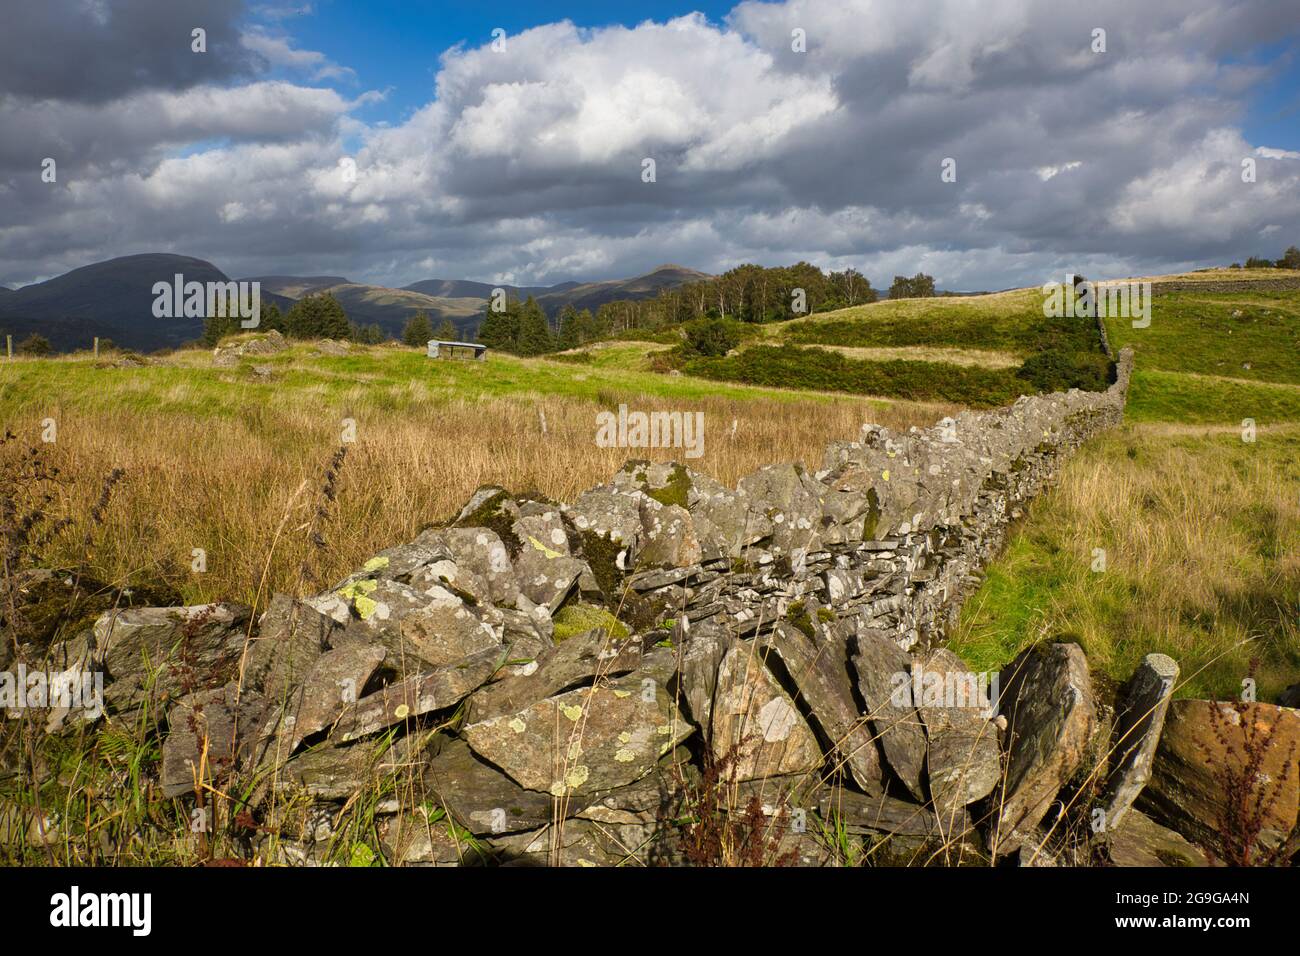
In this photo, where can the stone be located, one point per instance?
(791, 500)
(583, 741)
(1047, 700)
(1140, 841)
(1202, 749)
(209, 733)
(481, 552)
(444, 631)
(964, 759)
(756, 729)
(422, 694)
(418, 839)
(882, 667)
(168, 648)
(575, 661)
(669, 538)
(819, 668)
(484, 800)
(332, 685)
(879, 813)
(1138, 724)
(331, 772)
(291, 636)
(705, 646)
(228, 355)
(549, 578)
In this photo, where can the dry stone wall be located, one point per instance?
(562, 679)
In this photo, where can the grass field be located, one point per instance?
(1201, 528)
(219, 460)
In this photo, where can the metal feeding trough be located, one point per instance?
(451, 350)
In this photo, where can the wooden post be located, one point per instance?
(96, 346)
(9, 346)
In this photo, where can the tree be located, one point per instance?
(1255, 262)
(499, 330)
(35, 344)
(535, 336)
(920, 286)
(318, 317)
(568, 337)
(446, 331)
(1290, 259)
(271, 319)
(217, 327)
(418, 331)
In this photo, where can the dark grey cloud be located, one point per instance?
(93, 51)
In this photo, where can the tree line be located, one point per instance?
(749, 294)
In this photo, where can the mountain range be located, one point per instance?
(114, 299)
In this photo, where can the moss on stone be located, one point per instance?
(676, 492)
(492, 516)
(601, 555)
(872, 520)
(574, 619)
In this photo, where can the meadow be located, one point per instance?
(221, 460)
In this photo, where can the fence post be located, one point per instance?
(96, 346)
(9, 346)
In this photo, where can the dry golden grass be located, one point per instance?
(225, 482)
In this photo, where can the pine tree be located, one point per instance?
(446, 332)
(568, 338)
(418, 331)
(500, 330)
(535, 336)
(318, 317)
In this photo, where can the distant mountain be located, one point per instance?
(592, 295)
(390, 308)
(581, 295)
(295, 287)
(465, 289)
(111, 299)
(114, 299)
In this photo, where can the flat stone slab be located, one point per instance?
(820, 669)
(419, 695)
(1138, 725)
(1198, 749)
(882, 667)
(756, 727)
(586, 740)
(1047, 699)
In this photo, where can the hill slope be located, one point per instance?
(110, 299)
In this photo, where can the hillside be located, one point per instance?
(111, 299)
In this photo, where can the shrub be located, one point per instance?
(1058, 370)
(710, 337)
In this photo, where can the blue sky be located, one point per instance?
(395, 46)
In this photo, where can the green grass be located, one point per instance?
(1007, 322)
(1201, 528)
(388, 379)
